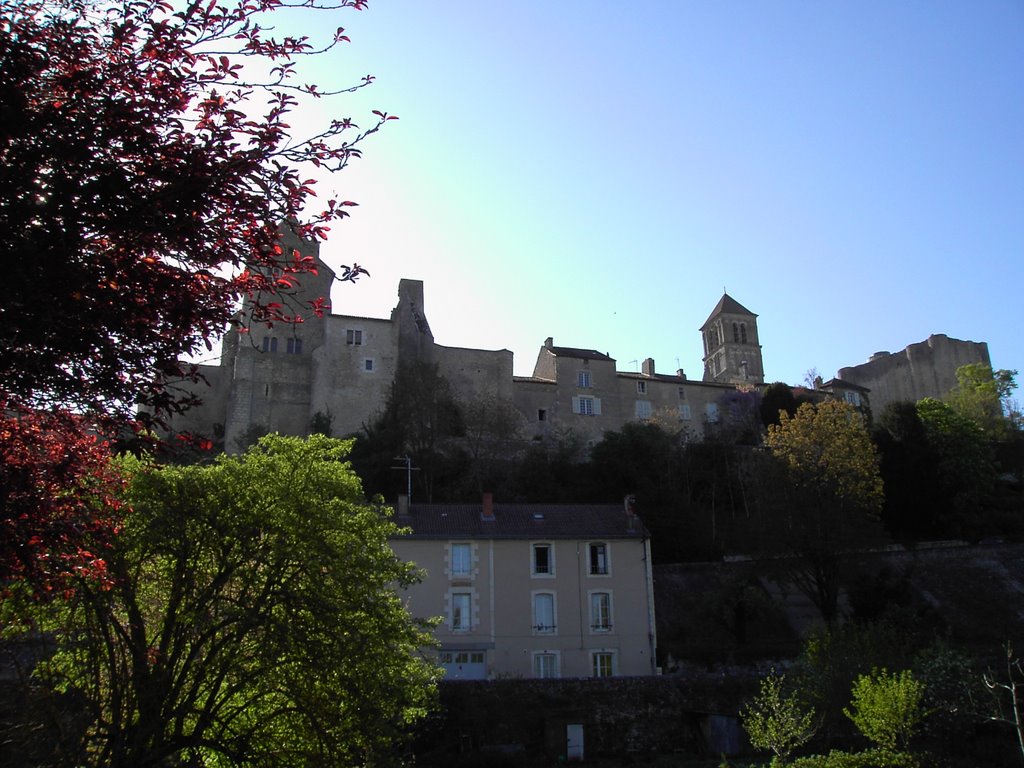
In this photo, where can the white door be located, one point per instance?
(463, 665)
(574, 741)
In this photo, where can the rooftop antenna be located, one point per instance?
(409, 469)
(635, 363)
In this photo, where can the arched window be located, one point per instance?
(743, 333)
(736, 332)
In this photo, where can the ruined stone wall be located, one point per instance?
(926, 369)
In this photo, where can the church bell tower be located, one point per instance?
(732, 351)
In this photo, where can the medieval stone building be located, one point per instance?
(286, 378)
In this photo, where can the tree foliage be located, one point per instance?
(886, 707)
(829, 452)
(983, 396)
(252, 620)
(58, 499)
(776, 721)
(146, 165)
(834, 494)
(964, 461)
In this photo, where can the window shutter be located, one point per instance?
(575, 404)
(597, 406)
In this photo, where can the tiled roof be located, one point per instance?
(729, 305)
(521, 521)
(583, 354)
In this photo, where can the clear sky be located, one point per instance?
(599, 172)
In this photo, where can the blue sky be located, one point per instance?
(599, 172)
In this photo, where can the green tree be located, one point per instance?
(252, 620)
(966, 469)
(834, 494)
(983, 396)
(777, 722)
(419, 420)
(886, 707)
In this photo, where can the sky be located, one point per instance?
(601, 172)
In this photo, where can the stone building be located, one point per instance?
(285, 378)
(925, 369)
(532, 590)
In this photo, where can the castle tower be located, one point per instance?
(732, 352)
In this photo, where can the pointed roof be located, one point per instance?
(727, 304)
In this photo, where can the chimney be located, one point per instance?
(681, 374)
(629, 502)
(549, 342)
(403, 505)
(647, 366)
(487, 514)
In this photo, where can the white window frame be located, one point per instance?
(461, 618)
(369, 365)
(552, 657)
(644, 410)
(684, 412)
(550, 573)
(853, 398)
(465, 569)
(601, 622)
(583, 380)
(540, 626)
(611, 658)
(711, 409)
(594, 562)
(585, 405)
(354, 337)
(641, 387)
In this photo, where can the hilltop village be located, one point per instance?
(571, 625)
(342, 367)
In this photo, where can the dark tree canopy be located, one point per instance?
(143, 182)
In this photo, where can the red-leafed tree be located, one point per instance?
(58, 499)
(146, 167)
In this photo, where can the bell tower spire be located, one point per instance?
(732, 351)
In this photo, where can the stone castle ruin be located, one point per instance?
(340, 366)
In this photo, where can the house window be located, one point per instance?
(598, 559)
(641, 387)
(542, 414)
(682, 393)
(600, 611)
(545, 665)
(294, 347)
(743, 333)
(853, 398)
(461, 607)
(544, 613)
(583, 380)
(353, 337)
(543, 560)
(367, 364)
(270, 343)
(603, 663)
(461, 560)
(684, 412)
(643, 410)
(712, 412)
(586, 406)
